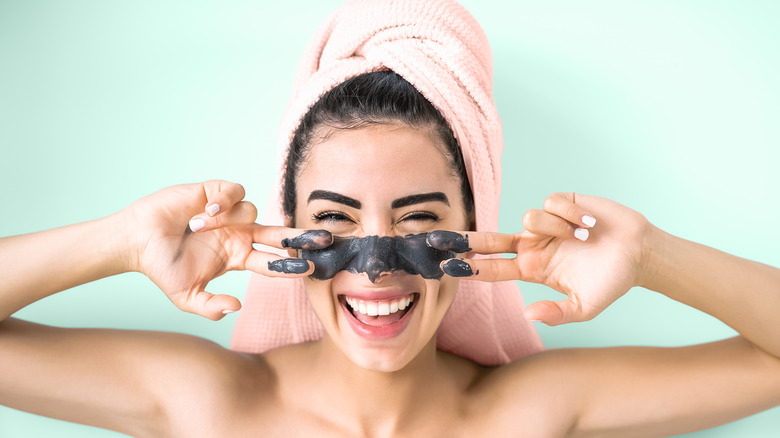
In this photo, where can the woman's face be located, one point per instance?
(385, 180)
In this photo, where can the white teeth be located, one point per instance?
(375, 308)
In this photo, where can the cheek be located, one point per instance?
(440, 295)
(317, 289)
(448, 286)
(321, 299)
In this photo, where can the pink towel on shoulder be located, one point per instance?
(440, 49)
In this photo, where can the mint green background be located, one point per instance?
(670, 107)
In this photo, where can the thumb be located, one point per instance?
(208, 305)
(554, 312)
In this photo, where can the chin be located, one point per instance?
(380, 360)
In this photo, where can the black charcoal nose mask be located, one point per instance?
(375, 255)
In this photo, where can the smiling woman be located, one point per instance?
(453, 98)
(412, 159)
(383, 204)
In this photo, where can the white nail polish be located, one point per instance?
(197, 224)
(581, 233)
(226, 311)
(212, 209)
(589, 220)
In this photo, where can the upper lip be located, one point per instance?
(377, 294)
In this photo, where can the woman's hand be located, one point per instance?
(187, 235)
(561, 247)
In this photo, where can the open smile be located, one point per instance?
(378, 319)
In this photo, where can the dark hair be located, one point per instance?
(371, 98)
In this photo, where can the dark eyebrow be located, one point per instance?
(335, 197)
(418, 199)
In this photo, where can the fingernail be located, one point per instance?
(289, 266)
(448, 241)
(457, 268)
(226, 311)
(589, 220)
(212, 209)
(197, 224)
(581, 233)
(312, 239)
(535, 320)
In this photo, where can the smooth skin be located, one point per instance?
(153, 384)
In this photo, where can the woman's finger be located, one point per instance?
(555, 312)
(272, 265)
(242, 213)
(482, 269)
(472, 241)
(541, 222)
(284, 237)
(206, 304)
(222, 195)
(565, 205)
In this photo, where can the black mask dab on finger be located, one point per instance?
(311, 239)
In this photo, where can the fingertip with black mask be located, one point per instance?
(449, 241)
(310, 240)
(289, 266)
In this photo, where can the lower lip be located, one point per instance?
(373, 332)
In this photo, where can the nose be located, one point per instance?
(379, 256)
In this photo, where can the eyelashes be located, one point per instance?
(330, 217)
(420, 216)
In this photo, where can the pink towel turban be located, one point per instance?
(440, 49)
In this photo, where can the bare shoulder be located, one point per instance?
(200, 385)
(206, 386)
(137, 382)
(533, 396)
(625, 391)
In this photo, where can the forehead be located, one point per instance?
(395, 159)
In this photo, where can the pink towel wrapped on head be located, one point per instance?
(440, 49)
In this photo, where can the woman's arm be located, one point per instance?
(636, 391)
(151, 236)
(743, 294)
(140, 383)
(665, 391)
(631, 391)
(39, 264)
(668, 391)
(132, 381)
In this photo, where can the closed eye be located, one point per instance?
(420, 216)
(330, 217)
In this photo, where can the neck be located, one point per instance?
(369, 399)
